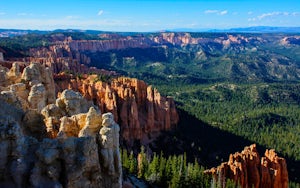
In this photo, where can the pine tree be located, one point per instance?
(132, 163)
(162, 168)
(142, 163)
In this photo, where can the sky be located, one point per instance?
(147, 15)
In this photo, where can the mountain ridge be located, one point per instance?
(253, 29)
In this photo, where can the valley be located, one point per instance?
(230, 89)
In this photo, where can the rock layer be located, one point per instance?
(249, 170)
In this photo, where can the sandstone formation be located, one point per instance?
(138, 108)
(248, 169)
(48, 143)
(109, 152)
(27, 162)
(33, 88)
(72, 115)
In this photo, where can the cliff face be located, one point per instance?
(49, 142)
(59, 58)
(248, 169)
(139, 109)
(68, 55)
(75, 55)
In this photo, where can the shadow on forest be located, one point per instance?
(208, 144)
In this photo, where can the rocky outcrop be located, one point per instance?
(71, 114)
(32, 89)
(248, 169)
(50, 163)
(138, 108)
(290, 40)
(50, 145)
(69, 161)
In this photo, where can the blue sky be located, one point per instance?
(147, 15)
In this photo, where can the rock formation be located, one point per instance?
(138, 108)
(45, 144)
(71, 115)
(110, 154)
(34, 88)
(249, 170)
(27, 162)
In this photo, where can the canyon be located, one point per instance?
(58, 118)
(53, 141)
(242, 56)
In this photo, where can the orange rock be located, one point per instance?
(249, 170)
(137, 107)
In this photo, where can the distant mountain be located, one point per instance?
(19, 32)
(259, 29)
(255, 29)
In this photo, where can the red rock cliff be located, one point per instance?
(139, 109)
(249, 170)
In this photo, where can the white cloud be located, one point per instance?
(250, 12)
(223, 12)
(211, 11)
(100, 12)
(272, 14)
(2, 13)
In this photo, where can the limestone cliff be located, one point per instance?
(139, 108)
(248, 169)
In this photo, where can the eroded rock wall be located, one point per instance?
(138, 108)
(248, 169)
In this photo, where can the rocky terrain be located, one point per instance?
(248, 169)
(31, 154)
(54, 142)
(140, 109)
